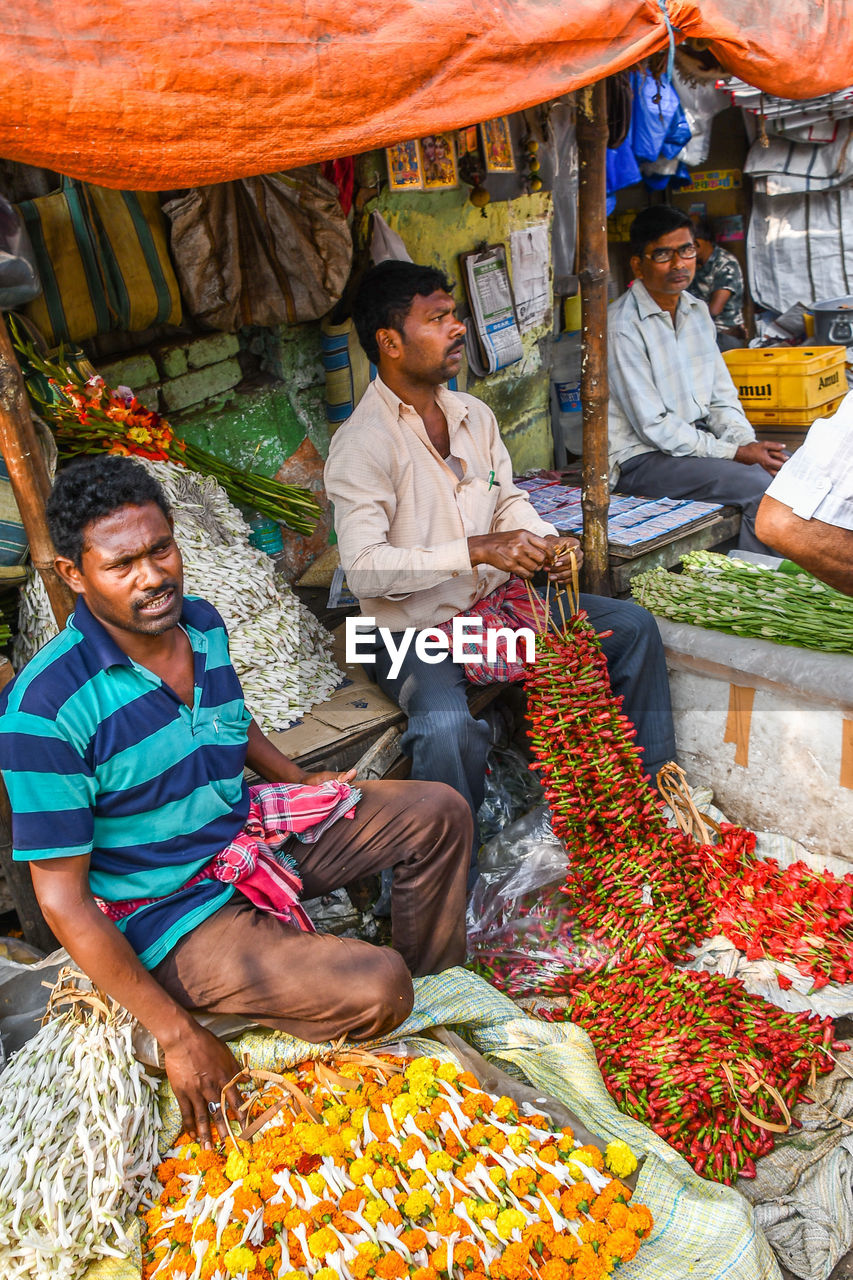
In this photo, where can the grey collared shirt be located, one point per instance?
(670, 389)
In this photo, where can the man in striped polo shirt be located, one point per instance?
(123, 744)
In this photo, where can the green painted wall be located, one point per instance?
(436, 227)
(258, 427)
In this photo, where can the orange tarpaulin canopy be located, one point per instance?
(169, 93)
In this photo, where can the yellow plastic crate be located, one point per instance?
(791, 419)
(787, 380)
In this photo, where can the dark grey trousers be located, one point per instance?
(659, 475)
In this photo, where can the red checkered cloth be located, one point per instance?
(508, 608)
(253, 860)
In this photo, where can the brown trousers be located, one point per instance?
(318, 986)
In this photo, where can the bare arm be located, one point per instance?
(823, 549)
(718, 300)
(197, 1063)
(268, 762)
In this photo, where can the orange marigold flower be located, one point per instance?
(209, 1159)
(166, 1171)
(466, 1254)
(640, 1220)
(564, 1246)
(466, 1078)
(391, 1267)
(391, 1217)
(549, 1153)
(622, 1245)
(554, 1269)
(232, 1235)
(274, 1215)
(424, 1273)
(593, 1232)
(323, 1209)
(617, 1216)
(589, 1266)
(548, 1184)
(476, 1104)
(576, 1200)
(173, 1190)
(352, 1199)
(269, 1259)
(414, 1239)
(204, 1230)
(513, 1262)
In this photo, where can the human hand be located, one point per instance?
(517, 551)
(199, 1066)
(562, 550)
(769, 454)
(327, 775)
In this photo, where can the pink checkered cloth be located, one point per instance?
(506, 607)
(253, 861)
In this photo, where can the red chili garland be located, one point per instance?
(632, 880)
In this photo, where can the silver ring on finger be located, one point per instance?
(213, 1107)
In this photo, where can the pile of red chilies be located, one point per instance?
(794, 914)
(662, 1036)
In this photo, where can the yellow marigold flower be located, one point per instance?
(316, 1183)
(369, 1250)
(348, 1135)
(620, 1159)
(566, 1140)
(519, 1140)
(419, 1066)
(190, 1150)
(240, 1259)
(404, 1105)
(360, 1168)
(326, 1273)
(422, 1093)
(373, 1211)
(509, 1220)
(322, 1242)
(447, 1071)
(358, 1115)
(384, 1178)
(254, 1179)
(439, 1160)
(236, 1167)
(335, 1113)
(504, 1107)
(418, 1204)
(497, 1174)
(418, 1179)
(293, 1275)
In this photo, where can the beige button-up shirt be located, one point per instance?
(403, 517)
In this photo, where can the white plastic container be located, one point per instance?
(566, 417)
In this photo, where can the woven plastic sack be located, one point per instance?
(702, 1230)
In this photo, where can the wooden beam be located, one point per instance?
(593, 272)
(28, 474)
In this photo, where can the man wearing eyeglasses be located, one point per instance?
(676, 426)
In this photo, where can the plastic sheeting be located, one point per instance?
(155, 94)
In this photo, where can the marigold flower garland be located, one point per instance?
(417, 1174)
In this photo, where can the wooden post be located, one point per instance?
(28, 474)
(593, 271)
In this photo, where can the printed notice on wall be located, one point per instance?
(490, 295)
(531, 275)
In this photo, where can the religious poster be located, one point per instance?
(404, 166)
(438, 161)
(497, 145)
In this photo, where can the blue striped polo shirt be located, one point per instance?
(101, 758)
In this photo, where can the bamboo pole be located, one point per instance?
(593, 272)
(28, 475)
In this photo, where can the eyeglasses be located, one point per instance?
(684, 251)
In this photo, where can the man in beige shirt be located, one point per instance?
(429, 523)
